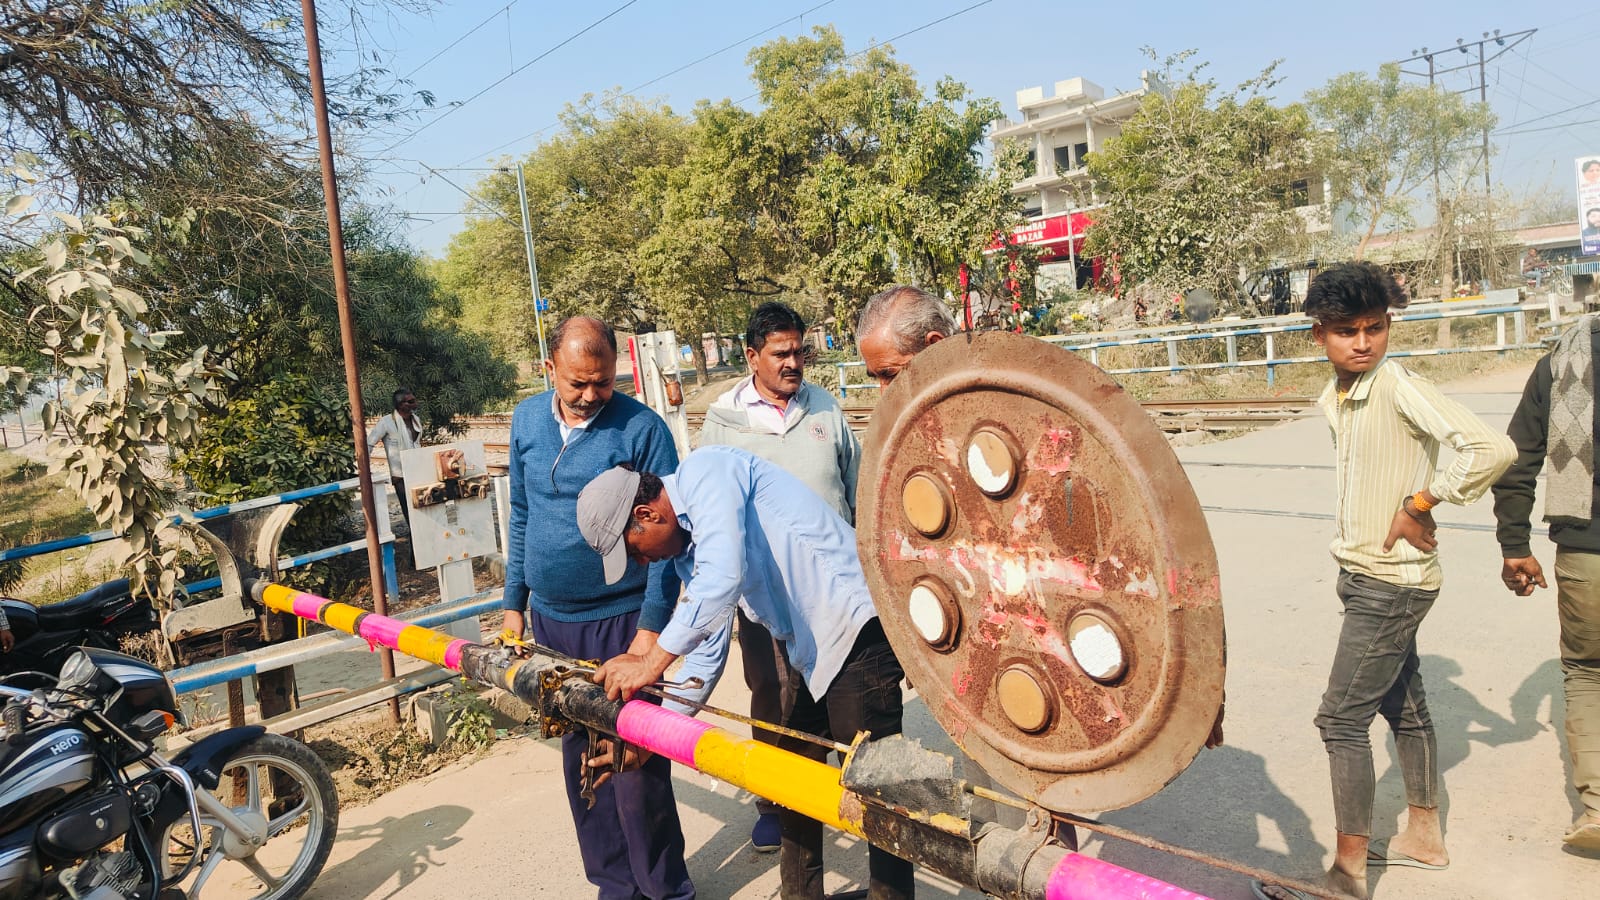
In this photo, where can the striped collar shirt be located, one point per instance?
(763, 413)
(1387, 432)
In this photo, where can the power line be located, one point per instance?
(904, 34)
(503, 79)
(718, 52)
(450, 46)
(1555, 127)
(1559, 112)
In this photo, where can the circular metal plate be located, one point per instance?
(1079, 656)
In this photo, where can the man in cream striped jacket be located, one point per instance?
(1388, 427)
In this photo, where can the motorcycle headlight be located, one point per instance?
(79, 673)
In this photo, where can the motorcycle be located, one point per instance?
(46, 635)
(91, 810)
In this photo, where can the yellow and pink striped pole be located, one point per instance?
(1000, 861)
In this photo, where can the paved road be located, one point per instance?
(498, 827)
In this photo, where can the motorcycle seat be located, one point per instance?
(89, 609)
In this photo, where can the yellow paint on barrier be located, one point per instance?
(341, 617)
(423, 643)
(278, 598)
(806, 786)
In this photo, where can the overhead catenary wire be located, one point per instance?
(904, 34)
(508, 76)
(659, 78)
(469, 33)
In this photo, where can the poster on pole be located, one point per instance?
(1589, 204)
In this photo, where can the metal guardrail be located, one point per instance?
(213, 672)
(386, 537)
(1270, 328)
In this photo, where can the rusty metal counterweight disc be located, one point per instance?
(1043, 569)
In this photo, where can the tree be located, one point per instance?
(1387, 139)
(125, 388)
(871, 179)
(588, 222)
(1194, 185)
(113, 93)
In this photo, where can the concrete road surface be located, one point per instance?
(499, 826)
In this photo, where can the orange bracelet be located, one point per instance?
(1420, 501)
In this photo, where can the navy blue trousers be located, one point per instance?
(631, 841)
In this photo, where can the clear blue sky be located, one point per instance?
(995, 49)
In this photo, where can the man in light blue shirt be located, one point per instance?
(736, 526)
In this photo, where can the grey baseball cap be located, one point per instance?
(604, 507)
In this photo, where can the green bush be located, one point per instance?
(292, 433)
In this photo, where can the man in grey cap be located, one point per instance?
(736, 526)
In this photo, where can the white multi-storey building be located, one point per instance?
(1060, 131)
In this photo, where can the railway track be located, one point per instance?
(1172, 415)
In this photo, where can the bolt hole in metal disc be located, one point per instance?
(1043, 570)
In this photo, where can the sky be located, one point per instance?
(502, 70)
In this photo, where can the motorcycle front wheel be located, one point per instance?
(272, 782)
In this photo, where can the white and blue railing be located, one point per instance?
(1501, 305)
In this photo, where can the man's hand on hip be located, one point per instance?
(1416, 528)
(1521, 575)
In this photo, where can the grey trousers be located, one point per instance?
(1578, 606)
(1376, 671)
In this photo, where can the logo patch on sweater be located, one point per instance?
(818, 432)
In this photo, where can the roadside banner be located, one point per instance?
(1588, 168)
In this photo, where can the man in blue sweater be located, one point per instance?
(630, 838)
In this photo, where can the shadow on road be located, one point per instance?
(1225, 805)
(396, 848)
(1541, 684)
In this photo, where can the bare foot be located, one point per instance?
(1346, 883)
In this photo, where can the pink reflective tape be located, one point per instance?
(1079, 877)
(306, 606)
(452, 654)
(382, 629)
(662, 731)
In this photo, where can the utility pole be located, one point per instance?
(1504, 44)
(347, 332)
(533, 271)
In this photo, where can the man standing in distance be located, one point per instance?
(1559, 420)
(630, 839)
(776, 415)
(399, 431)
(1388, 427)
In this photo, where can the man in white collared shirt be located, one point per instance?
(776, 415)
(399, 430)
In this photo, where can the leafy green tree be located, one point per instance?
(871, 178)
(1387, 139)
(292, 432)
(124, 388)
(110, 94)
(1193, 185)
(588, 222)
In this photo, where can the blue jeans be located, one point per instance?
(1376, 670)
(631, 841)
(864, 696)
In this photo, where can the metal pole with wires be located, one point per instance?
(533, 271)
(347, 333)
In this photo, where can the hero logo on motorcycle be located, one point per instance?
(65, 744)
